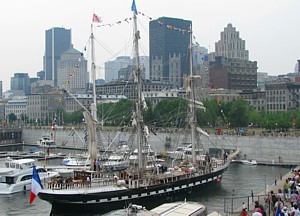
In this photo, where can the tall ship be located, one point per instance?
(100, 191)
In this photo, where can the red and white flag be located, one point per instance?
(96, 18)
(36, 185)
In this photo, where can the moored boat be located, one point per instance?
(46, 142)
(76, 160)
(16, 175)
(249, 162)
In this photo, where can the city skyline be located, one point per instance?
(269, 30)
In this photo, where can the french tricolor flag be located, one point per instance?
(36, 185)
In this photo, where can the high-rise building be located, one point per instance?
(1, 90)
(169, 40)
(231, 45)
(72, 71)
(112, 67)
(200, 65)
(41, 75)
(144, 62)
(57, 41)
(20, 81)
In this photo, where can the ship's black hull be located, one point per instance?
(99, 203)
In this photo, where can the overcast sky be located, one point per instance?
(270, 28)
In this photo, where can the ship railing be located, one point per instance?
(79, 184)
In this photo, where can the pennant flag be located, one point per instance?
(36, 185)
(133, 7)
(96, 18)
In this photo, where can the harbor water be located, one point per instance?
(238, 180)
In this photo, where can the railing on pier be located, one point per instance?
(233, 205)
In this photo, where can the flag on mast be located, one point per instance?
(96, 18)
(133, 7)
(36, 185)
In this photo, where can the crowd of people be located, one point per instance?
(285, 202)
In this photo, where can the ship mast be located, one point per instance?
(91, 120)
(192, 119)
(141, 140)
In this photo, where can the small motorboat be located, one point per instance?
(249, 162)
(46, 142)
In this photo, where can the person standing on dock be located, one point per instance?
(278, 203)
(280, 194)
(261, 207)
(287, 188)
(295, 210)
(293, 197)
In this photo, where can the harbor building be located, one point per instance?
(256, 99)
(57, 41)
(17, 106)
(72, 105)
(42, 108)
(127, 88)
(277, 96)
(169, 48)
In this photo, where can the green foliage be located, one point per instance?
(238, 113)
(12, 117)
(74, 117)
(170, 113)
(116, 114)
(173, 113)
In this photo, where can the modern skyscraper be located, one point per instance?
(20, 81)
(57, 41)
(169, 40)
(1, 90)
(72, 71)
(112, 67)
(231, 45)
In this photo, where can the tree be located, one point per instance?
(74, 117)
(170, 113)
(254, 117)
(238, 114)
(12, 117)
